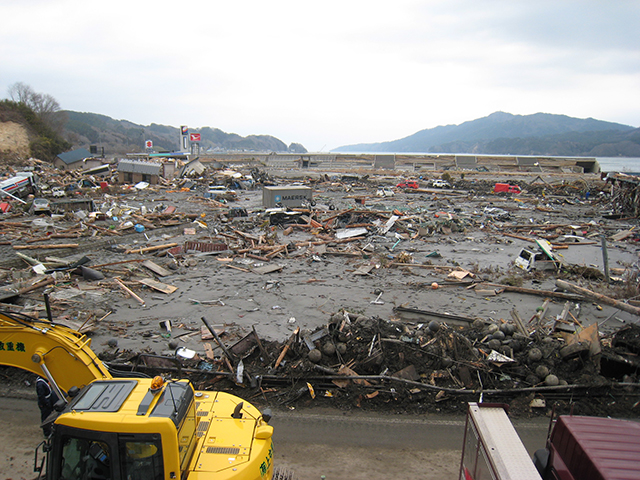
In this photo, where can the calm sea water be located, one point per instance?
(618, 164)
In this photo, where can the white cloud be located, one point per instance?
(330, 73)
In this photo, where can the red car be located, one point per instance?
(408, 184)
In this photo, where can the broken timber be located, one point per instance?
(413, 313)
(598, 296)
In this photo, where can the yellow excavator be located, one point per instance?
(112, 428)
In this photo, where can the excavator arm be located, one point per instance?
(48, 349)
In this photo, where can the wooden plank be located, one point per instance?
(155, 268)
(286, 347)
(267, 269)
(205, 334)
(161, 287)
(42, 247)
(128, 290)
(151, 249)
(622, 235)
(208, 350)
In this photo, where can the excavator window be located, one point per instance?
(85, 459)
(142, 458)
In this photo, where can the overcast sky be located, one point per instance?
(327, 73)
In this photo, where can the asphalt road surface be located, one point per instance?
(312, 444)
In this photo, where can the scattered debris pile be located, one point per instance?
(361, 362)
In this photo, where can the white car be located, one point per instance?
(221, 191)
(440, 184)
(385, 192)
(57, 192)
(40, 205)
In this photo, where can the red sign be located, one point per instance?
(194, 137)
(148, 144)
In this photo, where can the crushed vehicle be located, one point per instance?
(220, 192)
(384, 191)
(19, 186)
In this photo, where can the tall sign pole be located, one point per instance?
(184, 138)
(195, 139)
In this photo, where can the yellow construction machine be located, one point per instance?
(113, 428)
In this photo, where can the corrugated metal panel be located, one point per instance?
(598, 448)
(204, 247)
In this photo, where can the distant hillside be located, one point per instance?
(122, 136)
(505, 134)
(24, 134)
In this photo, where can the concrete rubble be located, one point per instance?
(417, 300)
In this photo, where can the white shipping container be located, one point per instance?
(287, 196)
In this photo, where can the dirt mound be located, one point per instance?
(14, 141)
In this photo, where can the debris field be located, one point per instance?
(393, 299)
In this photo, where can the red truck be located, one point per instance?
(506, 188)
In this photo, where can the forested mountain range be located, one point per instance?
(505, 134)
(122, 136)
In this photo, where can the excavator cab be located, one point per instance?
(116, 429)
(133, 428)
(82, 455)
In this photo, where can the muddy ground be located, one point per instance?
(382, 305)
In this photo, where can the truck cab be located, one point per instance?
(590, 447)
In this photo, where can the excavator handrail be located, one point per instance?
(82, 340)
(49, 349)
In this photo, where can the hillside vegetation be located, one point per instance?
(505, 134)
(43, 141)
(122, 136)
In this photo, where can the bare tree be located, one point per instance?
(21, 93)
(44, 105)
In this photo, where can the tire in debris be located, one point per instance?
(499, 335)
(534, 355)
(508, 329)
(315, 355)
(551, 381)
(329, 349)
(542, 371)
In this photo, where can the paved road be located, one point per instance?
(358, 446)
(313, 443)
